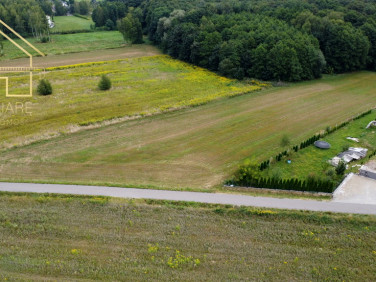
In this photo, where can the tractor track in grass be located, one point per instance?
(85, 57)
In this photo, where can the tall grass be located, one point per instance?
(96, 238)
(140, 86)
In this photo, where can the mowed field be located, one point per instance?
(71, 23)
(66, 43)
(141, 86)
(85, 238)
(194, 148)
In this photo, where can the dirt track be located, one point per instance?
(84, 57)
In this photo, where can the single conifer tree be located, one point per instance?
(104, 83)
(44, 87)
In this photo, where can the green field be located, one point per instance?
(73, 238)
(67, 43)
(194, 148)
(313, 161)
(141, 86)
(71, 23)
(101, 55)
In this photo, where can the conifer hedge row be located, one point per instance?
(313, 139)
(310, 184)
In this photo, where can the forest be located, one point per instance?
(271, 40)
(276, 40)
(27, 17)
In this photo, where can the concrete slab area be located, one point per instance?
(356, 189)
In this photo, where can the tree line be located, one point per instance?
(242, 45)
(287, 40)
(298, 39)
(81, 7)
(107, 13)
(28, 17)
(24, 16)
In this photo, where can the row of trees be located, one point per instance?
(81, 7)
(108, 13)
(249, 175)
(310, 185)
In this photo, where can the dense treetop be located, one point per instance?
(243, 45)
(267, 39)
(272, 40)
(25, 16)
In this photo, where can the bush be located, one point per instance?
(345, 148)
(330, 172)
(285, 141)
(104, 83)
(44, 39)
(341, 168)
(44, 87)
(110, 25)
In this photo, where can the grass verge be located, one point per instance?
(64, 237)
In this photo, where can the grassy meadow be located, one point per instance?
(140, 86)
(72, 238)
(314, 161)
(196, 148)
(71, 23)
(66, 43)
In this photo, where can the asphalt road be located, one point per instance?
(213, 198)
